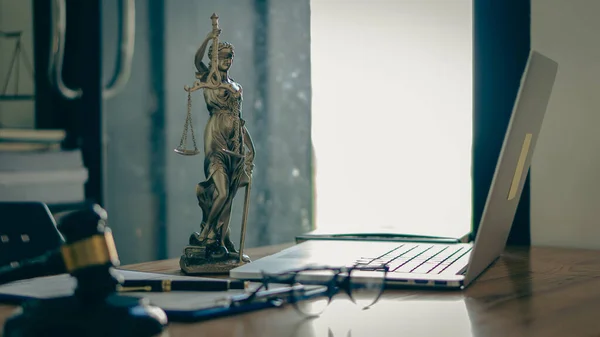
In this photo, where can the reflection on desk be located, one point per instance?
(527, 292)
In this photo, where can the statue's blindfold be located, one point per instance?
(225, 55)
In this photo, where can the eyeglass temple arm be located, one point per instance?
(265, 295)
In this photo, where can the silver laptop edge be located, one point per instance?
(513, 163)
(499, 210)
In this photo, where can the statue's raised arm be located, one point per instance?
(209, 76)
(209, 73)
(201, 68)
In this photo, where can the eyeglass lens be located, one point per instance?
(313, 305)
(366, 286)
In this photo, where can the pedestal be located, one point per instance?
(195, 260)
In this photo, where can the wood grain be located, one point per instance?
(527, 292)
(171, 266)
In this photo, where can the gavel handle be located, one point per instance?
(48, 264)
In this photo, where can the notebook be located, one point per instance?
(178, 305)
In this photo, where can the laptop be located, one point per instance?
(453, 265)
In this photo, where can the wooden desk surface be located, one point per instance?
(527, 292)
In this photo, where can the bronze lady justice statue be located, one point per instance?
(228, 162)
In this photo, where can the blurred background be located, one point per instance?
(367, 114)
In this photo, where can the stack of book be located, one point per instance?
(34, 168)
(27, 140)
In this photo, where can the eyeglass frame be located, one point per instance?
(333, 286)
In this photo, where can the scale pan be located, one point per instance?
(186, 152)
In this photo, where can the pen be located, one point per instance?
(181, 285)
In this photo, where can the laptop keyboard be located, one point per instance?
(418, 258)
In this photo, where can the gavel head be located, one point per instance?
(89, 253)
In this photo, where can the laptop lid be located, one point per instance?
(513, 163)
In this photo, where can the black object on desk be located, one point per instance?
(95, 309)
(27, 230)
(181, 285)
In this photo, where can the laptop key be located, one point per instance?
(408, 257)
(385, 258)
(398, 252)
(420, 260)
(455, 264)
(394, 252)
(408, 267)
(425, 267)
(446, 256)
(434, 260)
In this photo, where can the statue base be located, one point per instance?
(196, 261)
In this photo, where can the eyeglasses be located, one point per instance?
(313, 288)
